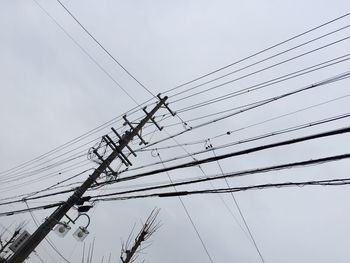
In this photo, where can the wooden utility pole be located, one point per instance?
(44, 229)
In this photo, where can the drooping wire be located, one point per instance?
(240, 211)
(189, 217)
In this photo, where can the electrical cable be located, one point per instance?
(190, 218)
(202, 141)
(240, 211)
(265, 84)
(47, 239)
(216, 177)
(86, 53)
(306, 32)
(260, 70)
(250, 139)
(220, 157)
(330, 182)
(260, 52)
(238, 153)
(104, 49)
(257, 105)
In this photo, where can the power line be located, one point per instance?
(229, 132)
(261, 70)
(240, 212)
(330, 182)
(260, 52)
(96, 198)
(257, 105)
(250, 139)
(190, 218)
(265, 84)
(104, 49)
(220, 157)
(51, 244)
(294, 37)
(86, 53)
(238, 153)
(136, 107)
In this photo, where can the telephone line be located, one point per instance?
(260, 52)
(103, 197)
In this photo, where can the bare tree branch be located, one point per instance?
(129, 255)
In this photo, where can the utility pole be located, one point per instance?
(44, 229)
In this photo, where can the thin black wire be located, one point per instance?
(97, 198)
(330, 182)
(260, 52)
(104, 49)
(308, 31)
(250, 139)
(246, 127)
(249, 89)
(225, 156)
(279, 167)
(85, 134)
(86, 53)
(257, 105)
(265, 121)
(240, 212)
(260, 70)
(265, 59)
(51, 244)
(267, 83)
(189, 217)
(335, 132)
(182, 120)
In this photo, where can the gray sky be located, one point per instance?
(52, 92)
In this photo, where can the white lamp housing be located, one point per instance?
(61, 229)
(81, 233)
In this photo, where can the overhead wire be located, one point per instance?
(243, 141)
(265, 84)
(301, 34)
(260, 70)
(240, 211)
(86, 53)
(104, 197)
(329, 182)
(260, 52)
(197, 162)
(103, 48)
(229, 132)
(314, 136)
(257, 105)
(47, 239)
(190, 218)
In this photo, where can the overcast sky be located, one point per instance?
(52, 92)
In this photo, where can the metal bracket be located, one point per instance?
(166, 106)
(152, 119)
(132, 128)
